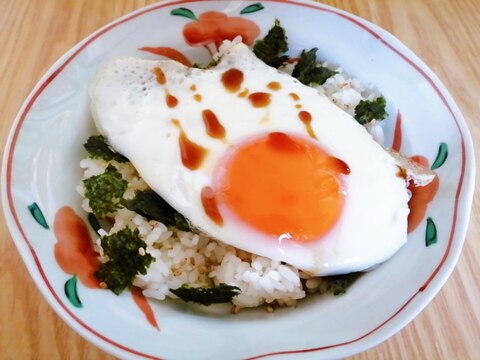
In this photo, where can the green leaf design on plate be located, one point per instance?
(38, 215)
(71, 292)
(184, 12)
(430, 233)
(93, 221)
(441, 156)
(252, 8)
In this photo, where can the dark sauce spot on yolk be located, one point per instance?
(232, 79)
(192, 154)
(259, 99)
(284, 143)
(161, 79)
(339, 165)
(306, 118)
(213, 126)
(210, 205)
(274, 85)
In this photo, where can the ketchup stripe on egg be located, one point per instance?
(210, 206)
(306, 118)
(212, 125)
(192, 154)
(161, 79)
(259, 99)
(170, 100)
(274, 85)
(232, 79)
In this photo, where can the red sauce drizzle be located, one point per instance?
(274, 85)
(213, 126)
(232, 79)
(210, 205)
(171, 100)
(259, 99)
(161, 79)
(192, 154)
(306, 118)
(294, 96)
(197, 97)
(74, 250)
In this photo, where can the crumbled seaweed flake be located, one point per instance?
(124, 259)
(368, 110)
(98, 148)
(308, 71)
(104, 192)
(218, 294)
(150, 205)
(272, 47)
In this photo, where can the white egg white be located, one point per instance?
(129, 108)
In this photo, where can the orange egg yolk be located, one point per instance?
(284, 186)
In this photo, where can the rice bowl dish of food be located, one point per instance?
(241, 178)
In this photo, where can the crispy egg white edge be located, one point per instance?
(128, 106)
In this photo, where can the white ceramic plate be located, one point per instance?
(41, 167)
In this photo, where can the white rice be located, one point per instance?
(198, 260)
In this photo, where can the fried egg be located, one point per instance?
(256, 159)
